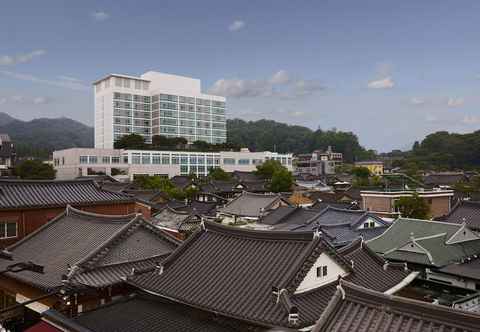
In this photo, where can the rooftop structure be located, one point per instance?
(156, 104)
(264, 278)
(355, 308)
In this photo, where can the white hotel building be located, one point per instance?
(75, 162)
(156, 104)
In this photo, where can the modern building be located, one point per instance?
(374, 166)
(383, 201)
(7, 154)
(156, 104)
(318, 162)
(71, 163)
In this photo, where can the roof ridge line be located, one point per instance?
(109, 241)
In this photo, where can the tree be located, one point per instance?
(413, 207)
(282, 181)
(361, 172)
(132, 141)
(35, 170)
(268, 168)
(219, 174)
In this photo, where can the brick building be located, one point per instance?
(27, 205)
(383, 202)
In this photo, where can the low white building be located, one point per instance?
(75, 162)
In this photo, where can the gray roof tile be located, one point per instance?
(16, 194)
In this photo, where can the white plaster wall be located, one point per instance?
(311, 281)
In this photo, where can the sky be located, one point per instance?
(389, 71)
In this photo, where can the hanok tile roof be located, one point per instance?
(90, 249)
(176, 220)
(469, 268)
(425, 242)
(467, 212)
(181, 181)
(342, 226)
(217, 186)
(141, 312)
(199, 208)
(15, 194)
(358, 309)
(231, 272)
(250, 204)
(255, 186)
(288, 215)
(246, 176)
(329, 197)
(323, 205)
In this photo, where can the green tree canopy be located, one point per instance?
(35, 170)
(361, 172)
(282, 181)
(132, 141)
(413, 207)
(218, 174)
(268, 168)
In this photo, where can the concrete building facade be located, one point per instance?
(75, 162)
(156, 104)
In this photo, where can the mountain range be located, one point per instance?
(40, 137)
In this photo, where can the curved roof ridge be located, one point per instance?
(71, 211)
(258, 234)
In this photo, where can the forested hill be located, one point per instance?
(445, 151)
(40, 137)
(274, 136)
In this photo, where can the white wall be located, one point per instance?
(311, 281)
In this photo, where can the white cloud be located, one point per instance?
(471, 120)
(280, 85)
(68, 78)
(236, 25)
(19, 99)
(10, 60)
(58, 83)
(280, 77)
(297, 114)
(417, 101)
(385, 83)
(100, 15)
(455, 102)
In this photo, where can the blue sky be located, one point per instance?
(390, 71)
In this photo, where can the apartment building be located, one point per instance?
(318, 162)
(75, 162)
(156, 104)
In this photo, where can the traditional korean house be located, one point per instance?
(357, 309)
(265, 279)
(26, 205)
(467, 212)
(85, 257)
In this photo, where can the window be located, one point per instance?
(156, 159)
(8, 229)
(136, 158)
(107, 83)
(165, 159)
(126, 83)
(92, 159)
(244, 161)
(83, 159)
(229, 161)
(106, 160)
(322, 271)
(175, 159)
(118, 81)
(145, 158)
(115, 160)
(138, 85)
